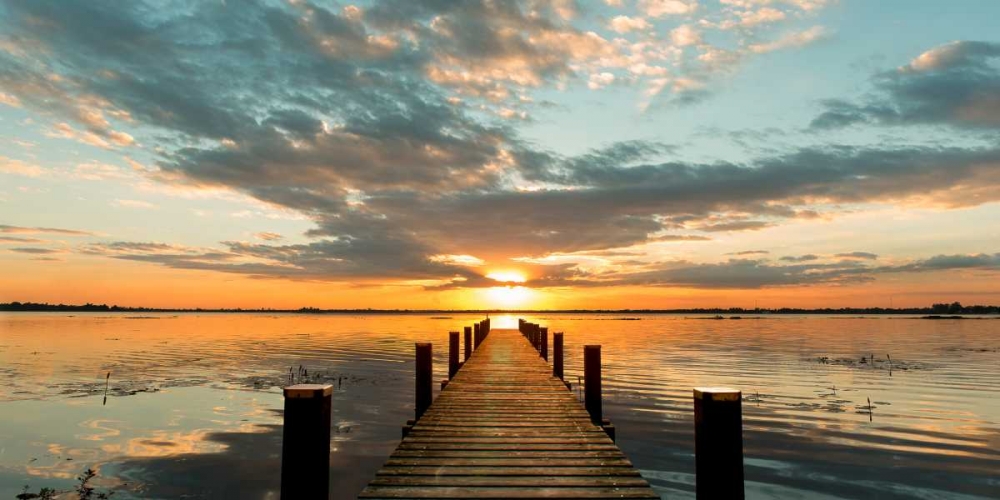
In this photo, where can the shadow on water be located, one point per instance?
(781, 462)
(249, 467)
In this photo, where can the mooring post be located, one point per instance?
(557, 355)
(545, 342)
(452, 354)
(305, 441)
(424, 388)
(477, 334)
(468, 342)
(592, 382)
(718, 443)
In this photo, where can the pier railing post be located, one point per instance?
(452, 354)
(424, 388)
(305, 445)
(477, 334)
(718, 443)
(545, 343)
(557, 355)
(592, 382)
(468, 342)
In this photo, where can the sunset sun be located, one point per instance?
(507, 276)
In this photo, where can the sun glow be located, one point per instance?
(509, 296)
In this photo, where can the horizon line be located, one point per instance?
(940, 308)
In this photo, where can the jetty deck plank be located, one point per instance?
(506, 428)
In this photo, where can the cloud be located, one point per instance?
(750, 252)
(34, 250)
(51, 230)
(11, 166)
(144, 205)
(625, 24)
(15, 239)
(794, 39)
(600, 80)
(751, 18)
(266, 236)
(981, 261)
(685, 35)
(661, 8)
(800, 258)
(956, 84)
(857, 255)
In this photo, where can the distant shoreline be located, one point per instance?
(938, 311)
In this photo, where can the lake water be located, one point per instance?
(194, 403)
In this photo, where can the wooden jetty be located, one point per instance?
(505, 427)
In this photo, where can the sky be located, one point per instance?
(500, 154)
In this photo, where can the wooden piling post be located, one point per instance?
(424, 388)
(452, 354)
(557, 355)
(592, 382)
(468, 342)
(477, 333)
(305, 442)
(545, 342)
(718, 443)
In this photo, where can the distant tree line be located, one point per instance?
(935, 309)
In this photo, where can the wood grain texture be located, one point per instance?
(504, 427)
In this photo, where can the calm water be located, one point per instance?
(194, 400)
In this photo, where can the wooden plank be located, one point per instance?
(511, 481)
(505, 428)
(504, 492)
(551, 472)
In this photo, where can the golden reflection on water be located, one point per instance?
(177, 379)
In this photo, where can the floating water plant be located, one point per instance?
(107, 384)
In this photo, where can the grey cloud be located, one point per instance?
(857, 255)
(954, 84)
(34, 250)
(15, 239)
(750, 252)
(50, 230)
(800, 258)
(742, 225)
(268, 236)
(950, 262)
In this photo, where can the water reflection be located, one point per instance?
(194, 399)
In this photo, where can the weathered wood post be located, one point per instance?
(592, 382)
(477, 334)
(545, 342)
(424, 389)
(452, 354)
(718, 443)
(557, 355)
(468, 342)
(305, 441)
